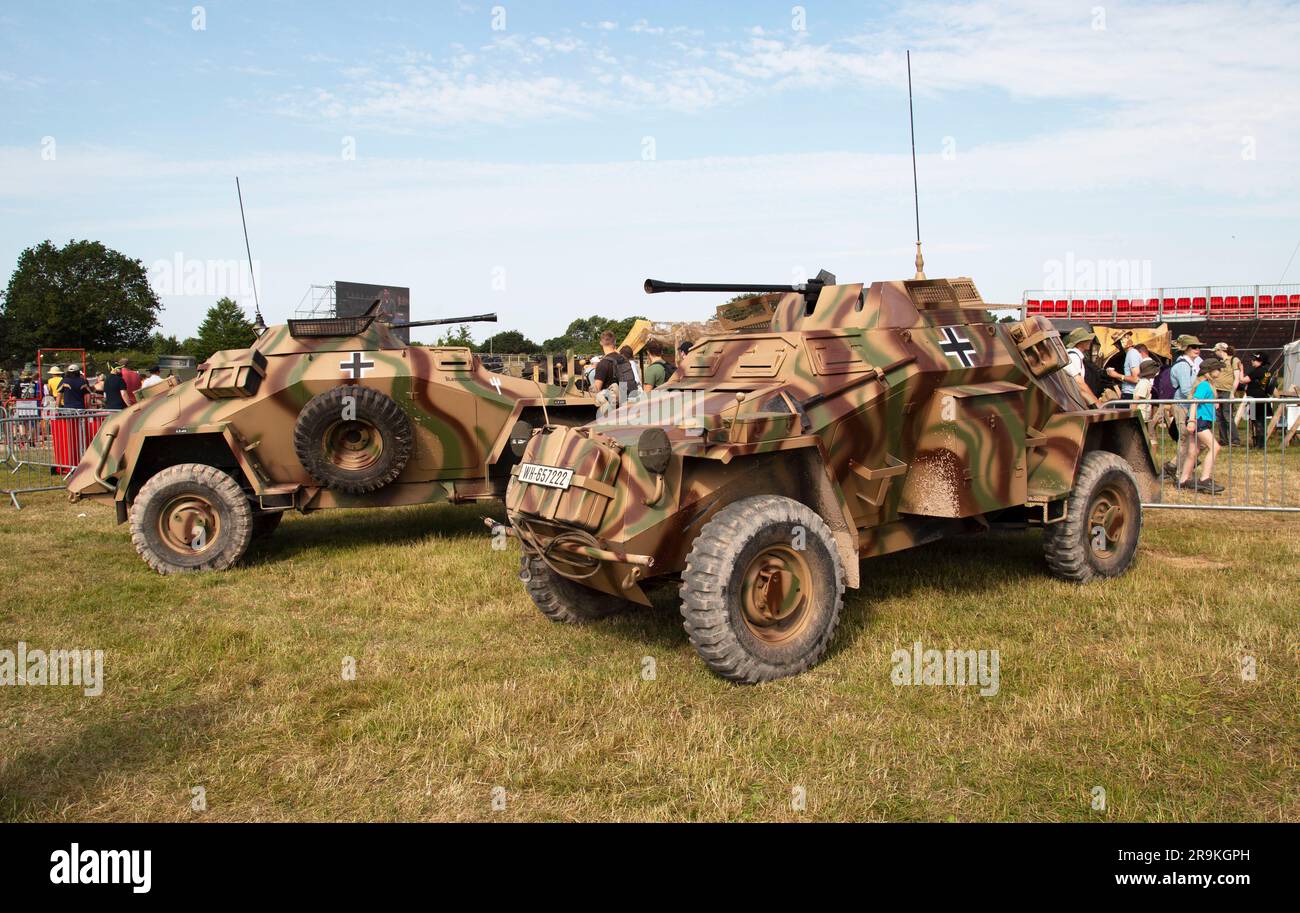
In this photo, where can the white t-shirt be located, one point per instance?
(1074, 367)
(150, 381)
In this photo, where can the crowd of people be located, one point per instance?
(1206, 390)
(67, 387)
(615, 377)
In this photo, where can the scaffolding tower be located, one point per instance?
(318, 301)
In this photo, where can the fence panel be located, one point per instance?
(40, 443)
(1261, 472)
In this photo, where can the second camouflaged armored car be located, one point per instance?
(316, 414)
(864, 420)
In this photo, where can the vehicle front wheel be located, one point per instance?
(563, 600)
(1099, 535)
(762, 590)
(191, 517)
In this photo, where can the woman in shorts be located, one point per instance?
(1200, 430)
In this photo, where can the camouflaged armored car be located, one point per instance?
(861, 421)
(317, 414)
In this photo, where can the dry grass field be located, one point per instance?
(233, 682)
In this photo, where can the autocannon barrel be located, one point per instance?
(476, 318)
(654, 286)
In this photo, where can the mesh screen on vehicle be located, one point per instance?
(329, 326)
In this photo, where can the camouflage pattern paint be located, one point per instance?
(899, 411)
(246, 402)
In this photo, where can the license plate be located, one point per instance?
(550, 476)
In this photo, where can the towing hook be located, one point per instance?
(498, 529)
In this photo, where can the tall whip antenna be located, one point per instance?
(916, 199)
(258, 324)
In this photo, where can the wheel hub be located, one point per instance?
(189, 523)
(776, 591)
(353, 445)
(1107, 522)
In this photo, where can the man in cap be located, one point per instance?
(1078, 348)
(72, 392)
(1259, 385)
(1183, 377)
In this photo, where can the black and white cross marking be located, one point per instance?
(957, 346)
(356, 366)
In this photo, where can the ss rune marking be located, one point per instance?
(957, 346)
(496, 382)
(356, 366)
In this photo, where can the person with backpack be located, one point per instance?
(1081, 366)
(613, 382)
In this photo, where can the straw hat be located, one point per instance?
(56, 371)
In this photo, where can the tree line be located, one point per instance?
(86, 295)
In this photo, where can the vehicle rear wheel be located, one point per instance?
(563, 600)
(191, 517)
(1099, 535)
(762, 590)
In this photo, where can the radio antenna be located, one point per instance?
(259, 325)
(916, 198)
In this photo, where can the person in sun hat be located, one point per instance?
(1183, 377)
(1078, 349)
(1199, 431)
(1148, 370)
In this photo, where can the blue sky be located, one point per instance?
(541, 163)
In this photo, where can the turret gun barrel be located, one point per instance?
(809, 289)
(476, 318)
(655, 286)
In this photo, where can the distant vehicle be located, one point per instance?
(316, 414)
(860, 421)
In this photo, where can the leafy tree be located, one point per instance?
(510, 342)
(460, 336)
(583, 334)
(82, 294)
(165, 345)
(225, 327)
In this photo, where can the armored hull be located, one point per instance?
(864, 420)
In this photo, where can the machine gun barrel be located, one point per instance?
(654, 286)
(476, 318)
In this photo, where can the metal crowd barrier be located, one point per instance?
(1261, 473)
(44, 445)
